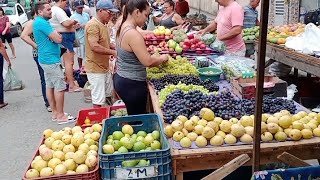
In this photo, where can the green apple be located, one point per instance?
(143, 162)
(116, 144)
(134, 137)
(138, 146)
(127, 142)
(155, 134)
(178, 49)
(172, 44)
(117, 135)
(155, 145)
(142, 133)
(148, 140)
(140, 138)
(108, 149)
(122, 149)
(130, 163)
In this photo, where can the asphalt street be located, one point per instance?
(25, 118)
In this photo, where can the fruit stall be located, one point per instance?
(209, 118)
(193, 158)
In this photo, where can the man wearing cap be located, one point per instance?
(82, 18)
(98, 52)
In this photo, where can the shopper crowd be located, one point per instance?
(112, 36)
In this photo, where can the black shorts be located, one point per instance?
(7, 37)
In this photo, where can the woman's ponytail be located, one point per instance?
(124, 18)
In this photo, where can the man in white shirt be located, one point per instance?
(65, 26)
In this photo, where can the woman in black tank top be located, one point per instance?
(170, 18)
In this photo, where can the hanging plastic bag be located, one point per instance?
(4, 73)
(150, 25)
(12, 81)
(291, 90)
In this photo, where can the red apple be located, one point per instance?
(190, 36)
(167, 37)
(162, 37)
(187, 42)
(202, 46)
(171, 36)
(195, 40)
(154, 42)
(193, 47)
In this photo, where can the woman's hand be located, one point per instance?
(3, 33)
(164, 58)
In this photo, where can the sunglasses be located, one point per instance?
(110, 12)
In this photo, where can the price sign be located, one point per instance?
(136, 173)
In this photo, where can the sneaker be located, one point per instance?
(49, 109)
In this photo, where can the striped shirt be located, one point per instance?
(250, 17)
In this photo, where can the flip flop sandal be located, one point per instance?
(3, 105)
(75, 90)
(71, 119)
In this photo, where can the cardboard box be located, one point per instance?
(246, 88)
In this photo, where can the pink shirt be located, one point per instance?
(227, 18)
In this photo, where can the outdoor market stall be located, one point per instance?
(185, 160)
(304, 62)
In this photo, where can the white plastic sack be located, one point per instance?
(12, 81)
(150, 25)
(307, 42)
(4, 73)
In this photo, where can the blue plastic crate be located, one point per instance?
(159, 158)
(303, 173)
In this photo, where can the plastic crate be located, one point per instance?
(159, 158)
(92, 175)
(96, 115)
(116, 108)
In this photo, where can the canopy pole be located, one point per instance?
(259, 84)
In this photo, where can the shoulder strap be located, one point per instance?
(126, 29)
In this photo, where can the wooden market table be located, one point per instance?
(187, 160)
(307, 63)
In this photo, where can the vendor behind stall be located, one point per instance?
(251, 20)
(228, 24)
(251, 14)
(170, 18)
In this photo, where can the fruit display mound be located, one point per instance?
(186, 79)
(178, 66)
(223, 104)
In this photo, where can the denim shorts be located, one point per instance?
(54, 76)
(68, 39)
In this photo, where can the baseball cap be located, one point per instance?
(106, 4)
(78, 4)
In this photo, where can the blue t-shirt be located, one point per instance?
(83, 19)
(48, 51)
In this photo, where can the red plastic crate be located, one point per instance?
(92, 175)
(115, 108)
(96, 115)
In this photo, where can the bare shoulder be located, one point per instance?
(133, 34)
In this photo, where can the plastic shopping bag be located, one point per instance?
(12, 81)
(150, 25)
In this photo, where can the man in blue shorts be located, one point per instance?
(49, 58)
